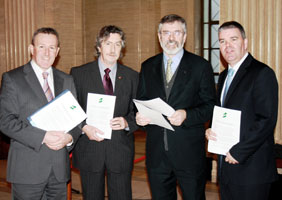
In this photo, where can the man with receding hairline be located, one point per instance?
(184, 81)
(248, 169)
(38, 161)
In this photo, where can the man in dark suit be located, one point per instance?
(248, 168)
(93, 155)
(38, 161)
(185, 81)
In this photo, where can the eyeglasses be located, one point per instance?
(168, 33)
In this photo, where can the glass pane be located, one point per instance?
(215, 60)
(215, 10)
(206, 54)
(206, 36)
(206, 11)
(214, 36)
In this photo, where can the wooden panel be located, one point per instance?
(139, 20)
(2, 38)
(66, 17)
(263, 26)
(18, 26)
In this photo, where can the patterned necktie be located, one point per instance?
(46, 87)
(168, 74)
(228, 82)
(107, 83)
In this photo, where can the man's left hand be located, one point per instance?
(118, 123)
(230, 159)
(178, 117)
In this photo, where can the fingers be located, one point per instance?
(178, 117)
(141, 120)
(93, 133)
(57, 140)
(210, 135)
(118, 123)
(230, 159)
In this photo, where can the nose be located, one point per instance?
(171, 36)
(113, 48)
(227, 44)
(46, 51)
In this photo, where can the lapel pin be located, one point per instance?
(119, 77)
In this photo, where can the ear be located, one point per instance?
(184, 37)
(159, 36)
(58, 49)
(31, 49)
(246, 43)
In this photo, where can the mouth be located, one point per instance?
(172, 44)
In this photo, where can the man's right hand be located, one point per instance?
(92, 133)
(141, 120)
(210, 135)
(53, 139)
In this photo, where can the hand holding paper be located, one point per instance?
(226, 126)
(93, 133)
(153, 110)
(62, 114)
(100, 111)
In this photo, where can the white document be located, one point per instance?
(226, 124)
(61, 114)
(100, 111)
(155, 109)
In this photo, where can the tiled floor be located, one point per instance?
(139, 178)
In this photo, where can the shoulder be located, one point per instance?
(84, 68)
(259, 67)
(153, 60)
(61, 73)
(193, 58)
(19, 70)
(128, 70)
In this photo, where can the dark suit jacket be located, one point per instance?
(30, 161)
(254, 91)
(194, 91)
(119, 150)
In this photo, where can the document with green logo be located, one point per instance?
(61, 114)
(100, 111)
(154, 109)
(226, 125)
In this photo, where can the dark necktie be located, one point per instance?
(46, 87)
(107, 83)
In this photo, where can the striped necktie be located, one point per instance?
(46, 88)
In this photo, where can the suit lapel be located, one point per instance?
(95, 81)
(239, 75)
(33, 82)
(58, 82)
(120, 77)
(157, 73)
(182, 76)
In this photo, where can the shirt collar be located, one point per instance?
(238, 64)
(102, 67)
(175, 59)
(38, 71)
